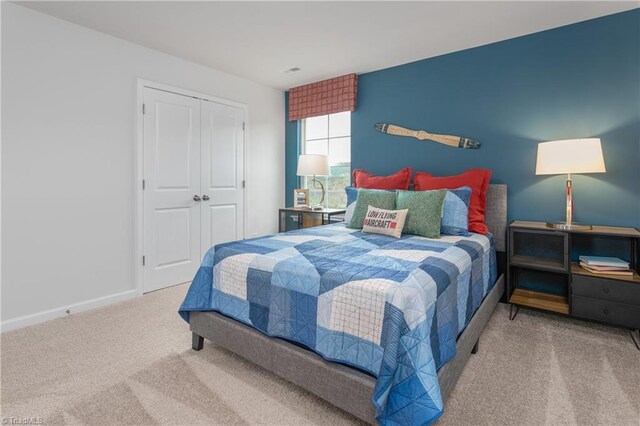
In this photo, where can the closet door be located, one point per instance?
(172, 210)
(222, 174)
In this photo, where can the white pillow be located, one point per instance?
(386, 222)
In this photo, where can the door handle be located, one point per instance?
(196, 198)
(205, 197)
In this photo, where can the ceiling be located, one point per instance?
(260, 40)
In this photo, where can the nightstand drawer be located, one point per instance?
(607, 289)
(606, 311)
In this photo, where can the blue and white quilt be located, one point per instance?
(391, 307)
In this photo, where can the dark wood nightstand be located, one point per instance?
(544, 273)
(306, 218)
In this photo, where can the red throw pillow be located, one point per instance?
(477, 179)
(399, 180)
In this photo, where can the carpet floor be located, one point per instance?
(131, 363)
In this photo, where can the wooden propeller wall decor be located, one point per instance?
(449, 140)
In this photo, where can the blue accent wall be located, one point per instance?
(292, 150)
(581, 80)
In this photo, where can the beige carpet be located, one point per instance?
(131, 363)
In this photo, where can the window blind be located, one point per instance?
(323, 97)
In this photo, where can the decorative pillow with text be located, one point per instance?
(385, 222)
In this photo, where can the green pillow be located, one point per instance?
(425, 211)
(370, 197)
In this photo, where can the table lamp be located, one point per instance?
(314, 165)
(569, 156)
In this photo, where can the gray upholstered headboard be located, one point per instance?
(496, 215)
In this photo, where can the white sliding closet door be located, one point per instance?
(172, 179)
(222, 174)
(193, 194)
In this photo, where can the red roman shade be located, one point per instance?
(324, 97)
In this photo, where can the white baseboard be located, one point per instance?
(39, 317)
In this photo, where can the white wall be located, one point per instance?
(68, 154)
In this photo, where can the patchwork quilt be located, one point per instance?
(391, 307)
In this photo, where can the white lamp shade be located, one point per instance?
(570, 156)
(313, 164)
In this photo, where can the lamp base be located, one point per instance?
(564, 226)
(318, 207)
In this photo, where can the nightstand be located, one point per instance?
(544, 273)
(298, 218)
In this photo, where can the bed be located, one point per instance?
(378, 326)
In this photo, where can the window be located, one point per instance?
(329, 135)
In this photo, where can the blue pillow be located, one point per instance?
(455, 212)
(352, 196)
